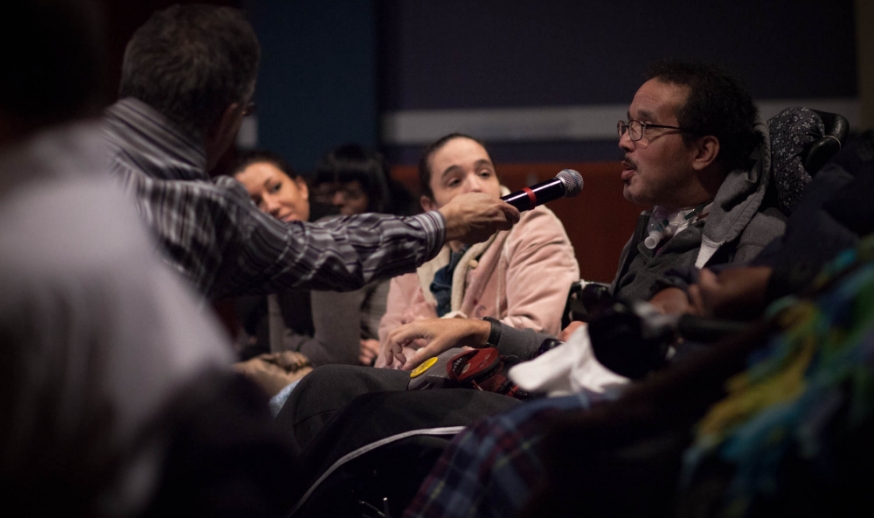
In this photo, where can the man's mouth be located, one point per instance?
(628, 169)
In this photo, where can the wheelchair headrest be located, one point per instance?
(822, 150)
(802, 141)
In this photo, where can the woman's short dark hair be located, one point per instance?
(190, 62)
(428, 152)
(353, 162)
(718, 105)
(258, 156)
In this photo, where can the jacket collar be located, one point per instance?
(739, 198)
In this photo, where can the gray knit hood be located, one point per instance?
(738, 200)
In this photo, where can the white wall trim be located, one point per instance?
(592, 122)
(247, 137)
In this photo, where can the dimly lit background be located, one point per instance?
(542, 82)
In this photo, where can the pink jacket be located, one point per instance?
(521, 277)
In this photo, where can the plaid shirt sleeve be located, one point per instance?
(490, 469)
(214, 235)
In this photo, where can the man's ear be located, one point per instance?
(706, 151)
(217, 139)
(427, 204)
(226, 121)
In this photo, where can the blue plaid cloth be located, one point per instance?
(490, 469)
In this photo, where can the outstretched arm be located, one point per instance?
(441, 334)
(215, 235)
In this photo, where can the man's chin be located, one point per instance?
(631, 197)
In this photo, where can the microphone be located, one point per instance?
(566, 184)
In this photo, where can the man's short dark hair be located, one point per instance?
(55, 72)
(428, 152)
(190, 62)
(718, 105)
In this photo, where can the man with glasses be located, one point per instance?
(695, 153)
(187, 83)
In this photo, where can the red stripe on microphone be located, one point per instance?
(532, 198)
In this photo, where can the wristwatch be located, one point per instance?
(494, 332)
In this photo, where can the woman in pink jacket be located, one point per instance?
(520, 277)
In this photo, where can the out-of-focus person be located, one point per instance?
(117, 397)
(356, 179)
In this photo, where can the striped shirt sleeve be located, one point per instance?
(214, 235)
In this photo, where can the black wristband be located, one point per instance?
(494, 332)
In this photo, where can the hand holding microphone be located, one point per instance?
(473, 217)
(566, 184)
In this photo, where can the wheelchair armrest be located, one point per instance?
(585, 300)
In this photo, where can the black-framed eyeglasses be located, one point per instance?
(636, 128)
(249, 109)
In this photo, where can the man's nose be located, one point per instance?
(625, 142)
(338, 199)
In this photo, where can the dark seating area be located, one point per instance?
(393, 259)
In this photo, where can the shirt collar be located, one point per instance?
(155, 143)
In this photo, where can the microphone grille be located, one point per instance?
(572, 180)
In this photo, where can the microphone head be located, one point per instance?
(572, 181)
